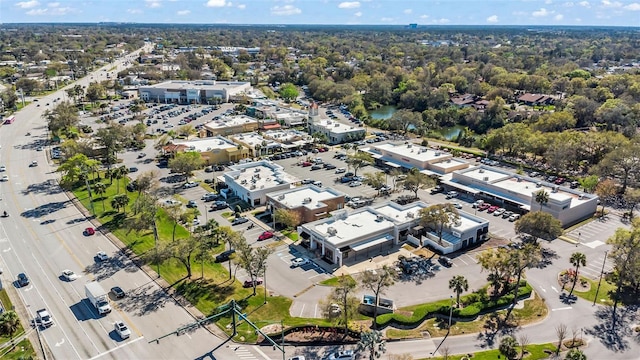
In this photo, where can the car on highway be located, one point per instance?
(43, 318)
(3, 168)
(341, 355)
(239, 220)
(102, 256)
(69, 275)
(299, 262)
(89, 231)
(122, 330)
(265, 235)
(248, 283)
(117, 292)
(23, 280)
(34, 163)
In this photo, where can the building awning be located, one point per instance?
(271, 126)
(376, 156)
(393, 165)
(370, 243)
(468, 189)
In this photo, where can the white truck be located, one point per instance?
(43, 318)
(98, 297)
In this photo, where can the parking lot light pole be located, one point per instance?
(600, 280)
(450, 313)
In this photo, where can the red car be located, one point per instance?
(321, 150)
(492, 209)
(484, 206)
(306, 163)
(249, 283)
(89, 231)
(265, 235)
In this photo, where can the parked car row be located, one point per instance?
(481, 205)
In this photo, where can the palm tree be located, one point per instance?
(577, 259)
(542, 198)
(458, 284)
(120, 202)
(118, 173)
(9, 323)
(100, 188)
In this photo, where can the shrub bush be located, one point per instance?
(472, 310)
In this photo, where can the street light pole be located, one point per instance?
(450, 313)
(600, 280)
(265, 284)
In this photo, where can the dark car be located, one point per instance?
(316, 167)
(118, 292)
(23, 280)
(445, 261)
(225, 255)
(249, 283)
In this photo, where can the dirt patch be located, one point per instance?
(310, 335)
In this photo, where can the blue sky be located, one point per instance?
(377, 12)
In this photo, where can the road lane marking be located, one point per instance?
(554, 289)
(562, 308)
(261, 353)
(116, 348)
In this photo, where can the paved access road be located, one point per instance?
(43, 236)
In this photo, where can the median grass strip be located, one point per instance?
(21, 349)
(533, 352)
(334, 281)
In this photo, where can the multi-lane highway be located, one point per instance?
(44, 235)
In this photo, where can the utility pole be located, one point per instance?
(155, 239)
(450, 313)
(600, 280)
(265, 284)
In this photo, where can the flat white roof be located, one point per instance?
(230, 121)
(411, 151)
(197, 84)
(208, 144)
(486, 174)
(259, 175)
(286, 136)
(337, 127)
(526, 187)
(308, 196)
(449, 163)
(401, 214)
(252, 139)
(355, 225)
(467, 222)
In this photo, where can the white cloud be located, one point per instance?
(492, 19)
(53, 4)
(442, 21)
(558, 17)
(153, 3)
(613, 4)
(216, 3)
(134, 11)
(285, 10)
(584, 4)
(407, 11)
(358, 14)
(548, 2)
(386, 19)
(242, 6)
(424, 16)
(349, 5)
(183, 12)
(540, 13)
(568, 4)
(633, 7)
(27, 4)
(52, 11)
(519, 13)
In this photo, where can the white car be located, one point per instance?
(190, 184)
(122, 330)
(3, 168)
(457, 205)
(4, 178)
(69, 275)
(299, 262)
(102, 256)
(499, 212)
(196, 222)
(514, 217)
(355, 183)
(171, 202)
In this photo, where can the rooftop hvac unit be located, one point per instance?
(332, 231)
(481, 171)
(336, 125)
(486, 178)
(221, 142)
(236, 177)
(306, 200)
(379, 218)
(209, 149)
(244, 181)
(410, 215)
(556, 188)
(409, 145)
(458, 223)
(437, 153)
(243, 170)
(281, 197)
(518, 178)
(256, 170)
(253, 186)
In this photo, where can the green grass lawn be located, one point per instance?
(603, 295)
(293, 235)
(23, 349)
(334, 281)
(535, 352)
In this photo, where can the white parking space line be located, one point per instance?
(302, 310)
(464, 262)
(475, 261)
